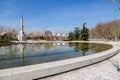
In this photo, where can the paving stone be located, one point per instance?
(105, 70)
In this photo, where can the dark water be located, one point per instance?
(28, 54)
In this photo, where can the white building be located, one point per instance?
(60, 36)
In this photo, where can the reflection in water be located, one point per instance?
(84, 47)
(98, 47)
(28, 54)
(49, 45)
(21, 50)
(8, 51)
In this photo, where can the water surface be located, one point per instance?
(27, 54)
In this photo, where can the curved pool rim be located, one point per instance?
(35, 71)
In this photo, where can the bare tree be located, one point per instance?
(106, 31)
(48, 35)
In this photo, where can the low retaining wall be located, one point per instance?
(51, 68)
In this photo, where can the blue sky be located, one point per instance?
(59, 16)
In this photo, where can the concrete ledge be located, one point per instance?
(51, 68)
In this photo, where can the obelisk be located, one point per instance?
(21, 36)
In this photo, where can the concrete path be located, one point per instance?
(105, 70)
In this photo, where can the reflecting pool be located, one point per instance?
(27, 54)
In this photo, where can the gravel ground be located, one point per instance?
(105, 70)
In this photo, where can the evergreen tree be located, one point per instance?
(84, 34)
(76, 33)
(71, 36)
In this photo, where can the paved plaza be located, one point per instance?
(105, 70)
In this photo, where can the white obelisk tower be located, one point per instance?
(21, 35)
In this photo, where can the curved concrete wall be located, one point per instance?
(51, 68)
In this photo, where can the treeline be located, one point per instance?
(106, 31)
(47, 35)
(7, 34)
(79, 34)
